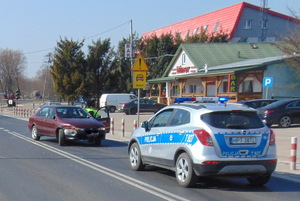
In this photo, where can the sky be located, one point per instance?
(35, 26)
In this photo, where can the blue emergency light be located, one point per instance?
(223, 99)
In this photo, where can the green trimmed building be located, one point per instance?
(235, 70)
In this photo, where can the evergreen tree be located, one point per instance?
(68, 69)
(99, 62)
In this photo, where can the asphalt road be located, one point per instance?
(43, 170)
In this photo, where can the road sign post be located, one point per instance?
(268, 82)
(139, 69)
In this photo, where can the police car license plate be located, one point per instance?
(242, 140)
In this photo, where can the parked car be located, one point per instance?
(282, 112)
(257, 103)
(199, 140)
(80, 102)
(66, 123)
(50, 103)
(146, 105)
(112, 101)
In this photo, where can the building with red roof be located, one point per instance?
(243, 22)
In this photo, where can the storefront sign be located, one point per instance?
(127, 50)
(183, 70)
(232, 83)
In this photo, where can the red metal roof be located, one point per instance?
(227, 18)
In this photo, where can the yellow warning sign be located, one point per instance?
(139, 79)
(140, 64)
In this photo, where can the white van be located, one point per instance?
(113, 100)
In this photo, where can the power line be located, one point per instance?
(43, 50)
(108, 30)
(33, 52)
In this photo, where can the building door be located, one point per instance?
(211, 89)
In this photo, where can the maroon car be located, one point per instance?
(67, 123)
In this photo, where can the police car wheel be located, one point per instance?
(185, 174)
(136, 162)
(259, 181)
(34, 134)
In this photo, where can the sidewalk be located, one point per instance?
(283, 165)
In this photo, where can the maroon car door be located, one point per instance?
(40, 118)
(103, 116)
(50, 123)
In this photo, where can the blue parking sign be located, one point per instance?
(268, 81)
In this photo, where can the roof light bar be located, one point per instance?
(201, 99)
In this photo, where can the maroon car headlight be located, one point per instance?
(71, 132)
(101, 129)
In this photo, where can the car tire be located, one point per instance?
(185, 174)
(97, 142)
(259, 181)
(34, 133)
(132, 111)
(61, 137)
(285, 122)
(135, 158)
(112, 109)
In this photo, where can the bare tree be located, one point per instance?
(12, 65)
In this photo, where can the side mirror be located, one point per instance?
(145, 125)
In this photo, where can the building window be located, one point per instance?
(247, 86)
(225, 86)
(183, 56)
(264, 24)
(175, 91)
(195, 31)
(187, 34)
(248, 24)
(216, 27)
(193, 88)
(178, 34)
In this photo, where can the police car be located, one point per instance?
(197, 140)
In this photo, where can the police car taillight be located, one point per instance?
(210, 162)
(204, 137)
(272, 137)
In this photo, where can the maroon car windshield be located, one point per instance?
(71, 112)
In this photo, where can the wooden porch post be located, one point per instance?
(204, 83)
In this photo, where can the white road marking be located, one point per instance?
(131, 181)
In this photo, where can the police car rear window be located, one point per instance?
(233, 120)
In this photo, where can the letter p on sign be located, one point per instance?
(268, 82)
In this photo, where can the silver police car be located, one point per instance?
(205, 139)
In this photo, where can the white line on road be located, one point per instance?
(131, 181)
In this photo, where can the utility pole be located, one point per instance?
(46, 74)
(131, 44)
(131, 63)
